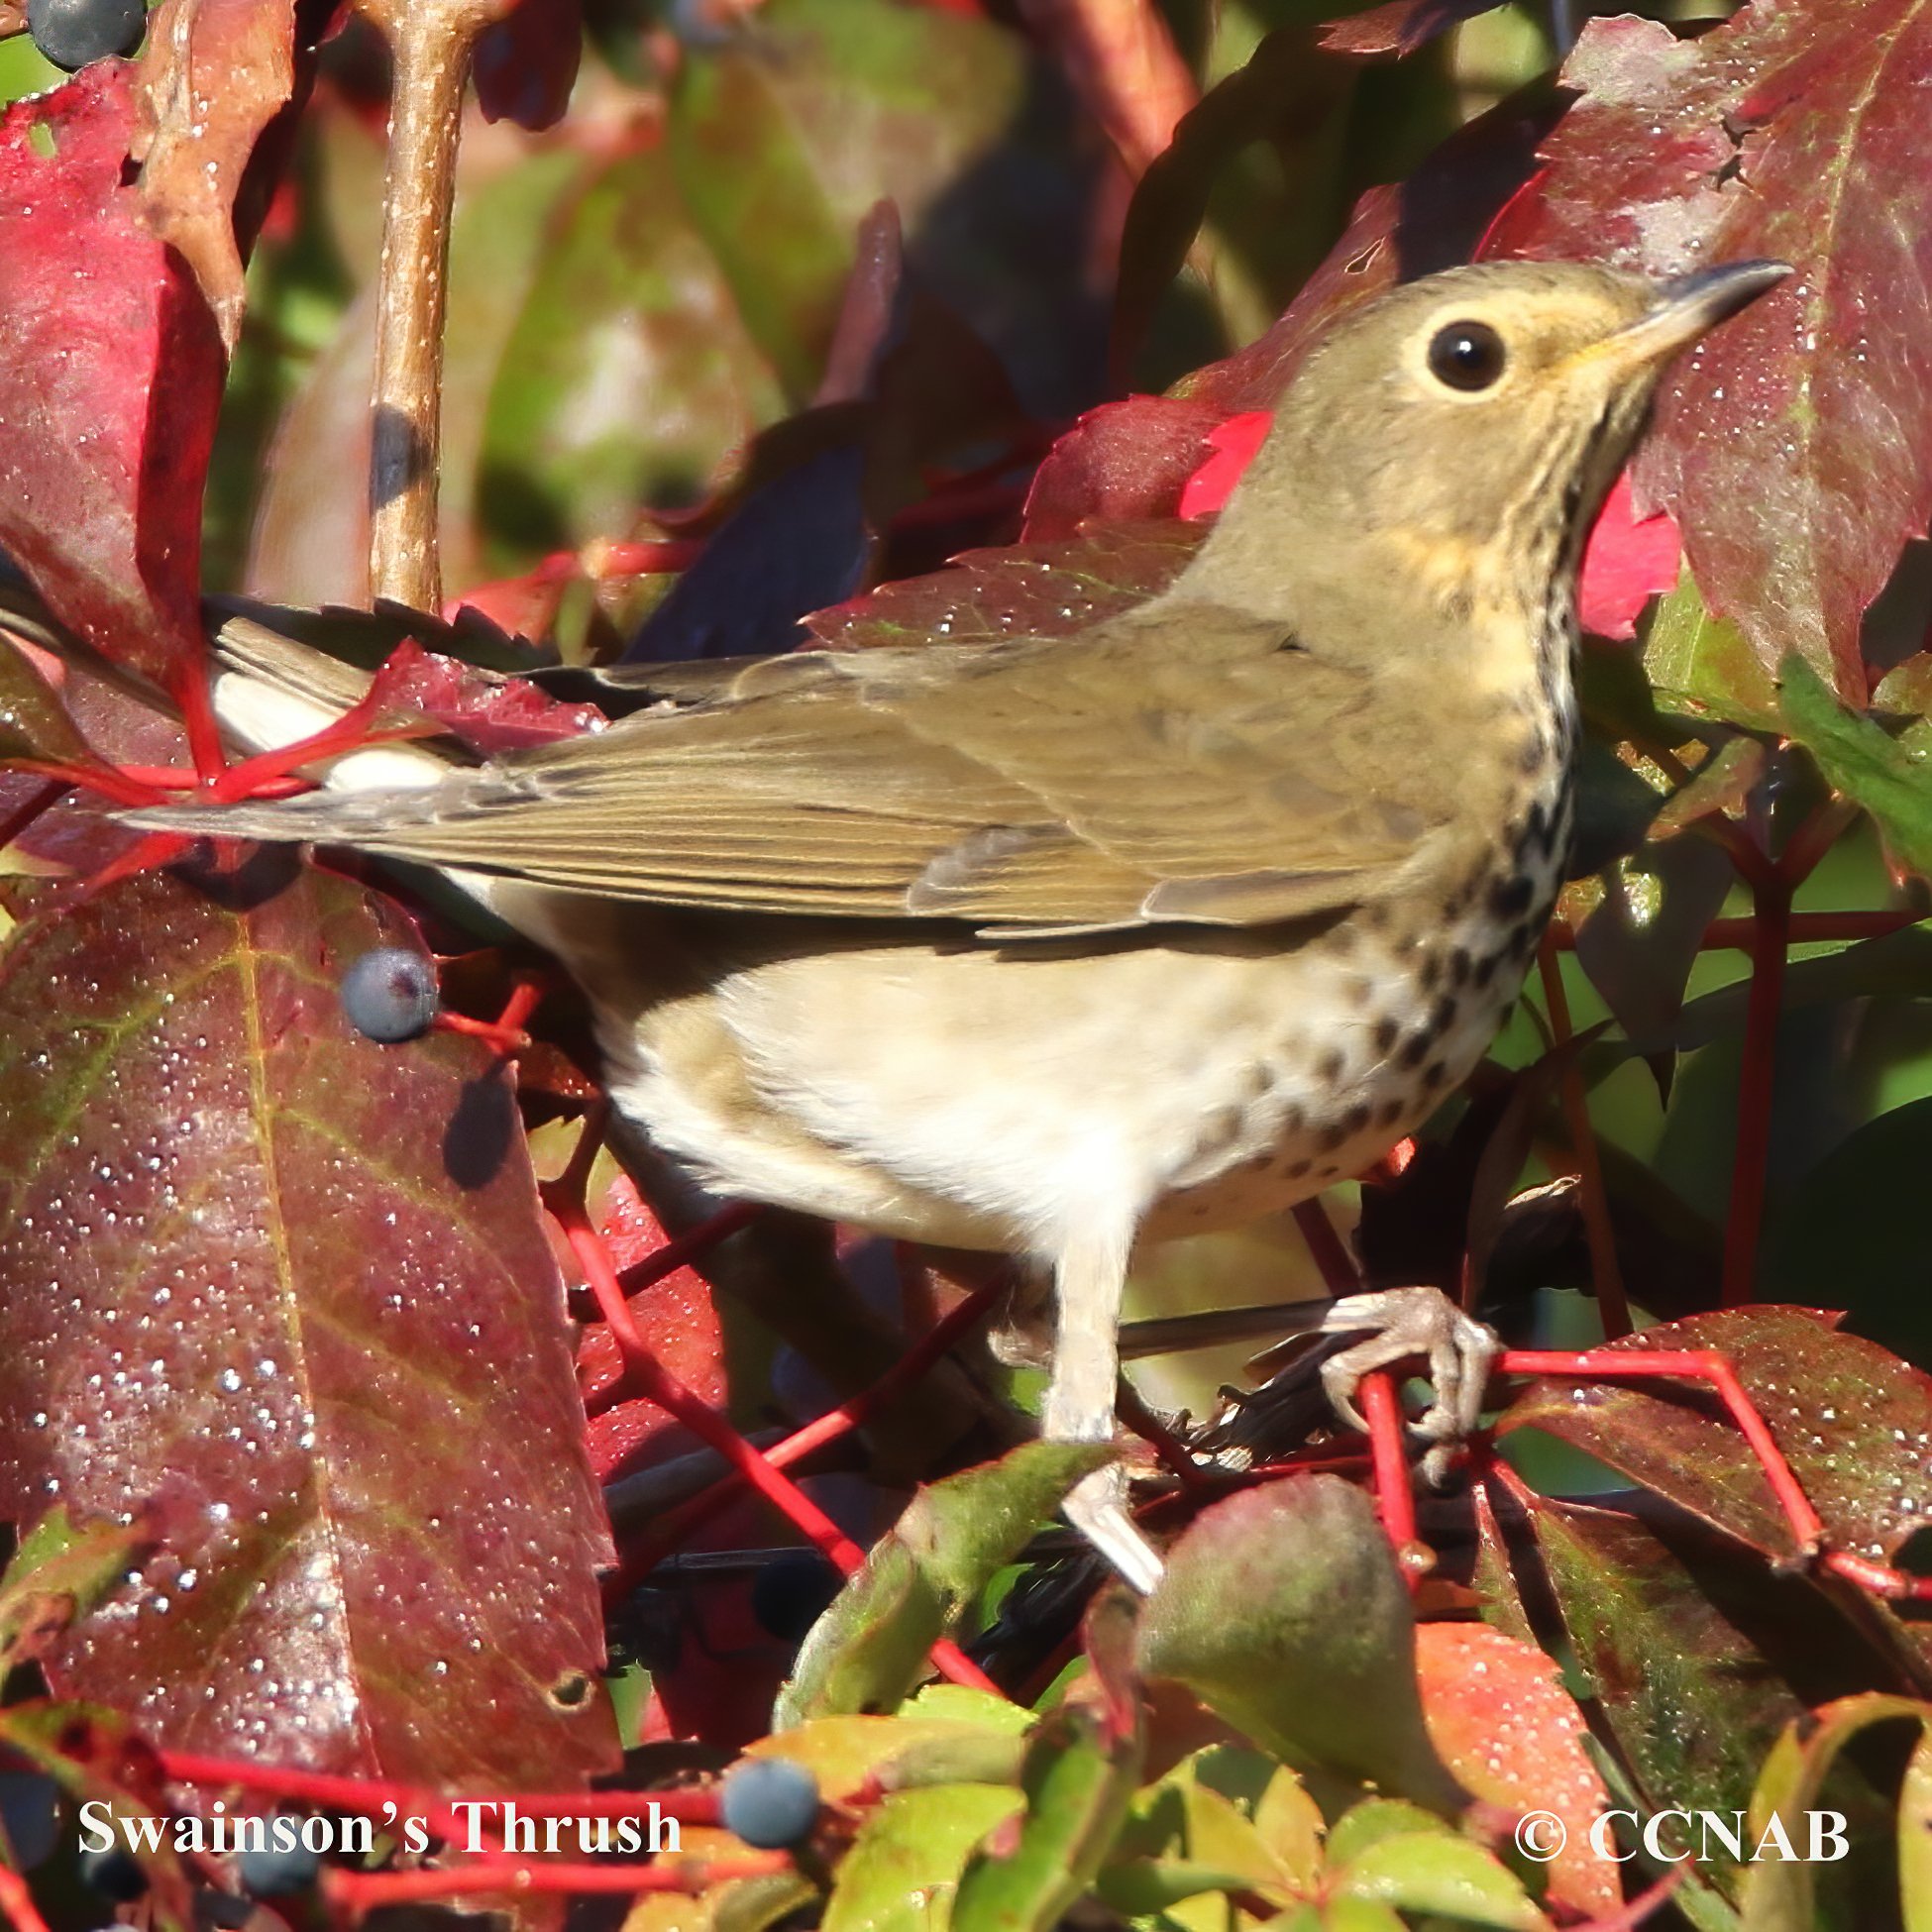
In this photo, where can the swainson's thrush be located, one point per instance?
(1052, 944)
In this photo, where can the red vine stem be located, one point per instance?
(645, 1375)
(371, 1796)
(1395, 1496)
(360, 1892)
(18, 1902)
(677, 1524)
(1770, 898)
(1337, 1269)
(1709, 1366)
(1612, 1307)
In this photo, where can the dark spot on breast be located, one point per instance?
(1293, 1119)
(1531, 755)
(1390, 1112)
(1355, 1119)
(1428, 971)
(1333, 1136)
(1299, 1169)
(1523, 941)
(1437, 1076)
(1486, 969)
(1459, 964)
(1510, 896)
(1415, 1050)
(1359, 990)
(1328, 1069)
(1387, 1033)
(1373, 916)
(1442, 1016)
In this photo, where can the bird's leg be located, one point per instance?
(1403, 1322)
(1090, 1275)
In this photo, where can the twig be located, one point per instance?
(431, 41)
(1770, 898)
(1613, 1308)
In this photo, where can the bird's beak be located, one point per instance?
(1689, 306)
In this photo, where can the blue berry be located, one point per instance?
(73, 32)
(768, 1802)
(114, 1872)
(389, 995)
(30, 1812)
(274, 1870)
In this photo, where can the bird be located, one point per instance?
(1056, 946)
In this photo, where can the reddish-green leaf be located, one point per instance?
(1852, 1421)
(1282, 1608)
(110, 375)
(1508, 1730)
(293, 1284)
(1793, 447)
(1029, 590)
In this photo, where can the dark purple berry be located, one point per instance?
(114, 1872)
(768, 1802)
(73, 32)
(30, 1812)
(793, 1591)
(389, 995)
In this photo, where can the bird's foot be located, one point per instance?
(1097, 1508)
(1404, 1323)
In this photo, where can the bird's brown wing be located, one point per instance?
(1192, 765)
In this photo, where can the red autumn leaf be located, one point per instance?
(296, 1283)
(1793, 447)
(1628, 561)
(1501, 1720)
(110, 379)
(488, 713)
(1401, 26)
(676, 1317)
(212, 76)
(1123, 460)
(1234, 443)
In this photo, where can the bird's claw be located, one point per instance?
(1407, 1322)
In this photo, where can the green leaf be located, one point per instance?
(1283, 1609)
(904, 1867)
(1864, 762)
(59, 1573)
(1779, 1890)
(1435, 1872)
(629, 376)
(868, 1650)
(783, 138)
(1915, 1838)
(1079, 1780)
(1704, 667)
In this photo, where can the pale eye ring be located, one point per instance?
(1467, 356)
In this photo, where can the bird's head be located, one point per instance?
(1466, 426)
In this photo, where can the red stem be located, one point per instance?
(1613, 1309)
(1770, 941)
(362, 1892)
(645, 1375)
(18, 1902)
(677, 1524)
(1395, 1498)
(1337, 1269)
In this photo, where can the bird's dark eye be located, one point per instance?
(1466, 355)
